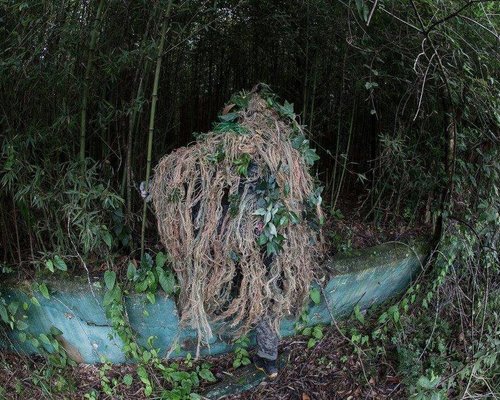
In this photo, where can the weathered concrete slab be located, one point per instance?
(365, 277)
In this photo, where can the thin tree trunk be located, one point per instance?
(154, 99)
(90, 59)
(337, 145)
(304, 106)
(130, 139)
(313, 97)
(344, 166)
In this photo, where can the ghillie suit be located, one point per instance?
(236, 212)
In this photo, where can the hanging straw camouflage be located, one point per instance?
(234, 212)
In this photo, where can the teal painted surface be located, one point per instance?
(366, 277)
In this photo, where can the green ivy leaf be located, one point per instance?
(272, 229)
(317, 332)
(167, 281)
(42, 287)
(270, 248)
(146, 356)
(262, 240)
(50, 265)
(4, 314)
(287, 110)
(151, 297)
(131, 271)
(363, 9)
(13, 307)
(21, 325)
(299, 141)
(107, 238)
(110, 279)
(143, 375)
(44, 339)
(128, 379)
(315, 295)
(260, 211)
(35, 301)
(357, 313)
(394, 312)
(310, 156)
(207, 375)
(161, 259)
(60, 264)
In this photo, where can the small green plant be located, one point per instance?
(301, 144)
(427, 388)
(314, 333)
(107, 384)
(56, 263)
(147, 280)
(336, 214)
(151, 275)
(241, 356)
(92, 395)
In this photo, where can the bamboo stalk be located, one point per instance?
(304, 107)
(337, 145)
(313, 97)
(154, 99)
(342, 174)
(85, 95)
(126, 186)
(128, 164)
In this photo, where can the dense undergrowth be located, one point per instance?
(401, 101)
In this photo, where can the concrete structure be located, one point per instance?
(365, 277)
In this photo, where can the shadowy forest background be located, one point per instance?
(400, 100)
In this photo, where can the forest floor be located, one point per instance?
(330, 370)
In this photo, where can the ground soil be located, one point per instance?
(328, 371)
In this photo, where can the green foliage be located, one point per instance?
(427, 388)
(274, 215)
(301, 144)
(182, 382)
(232, 127)
(242, 163)
(151, 275)
(303, 325)
(72, 211)
(217, 157)
(241, 356)
(315, 295)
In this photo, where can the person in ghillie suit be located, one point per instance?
(239, 213)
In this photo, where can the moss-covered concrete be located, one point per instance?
(365, 277)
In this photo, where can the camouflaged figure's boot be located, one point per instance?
(267, 348)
